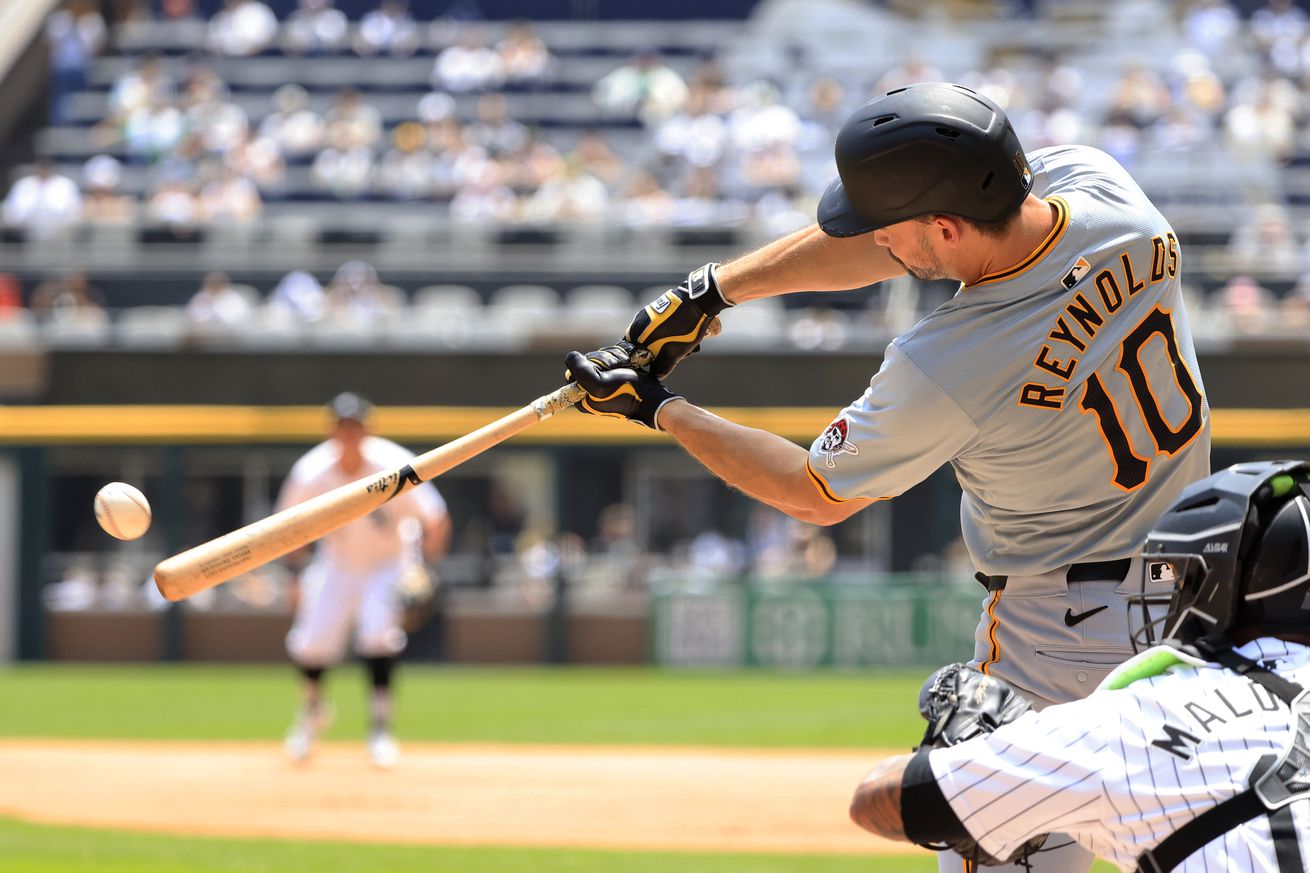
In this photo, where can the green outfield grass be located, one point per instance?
(37, 849)
(461, 704)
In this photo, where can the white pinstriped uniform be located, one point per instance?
(1106, 771)
(352, 578)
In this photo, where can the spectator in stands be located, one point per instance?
(11, 296)
(1260, 128)
(356, 295)
(760, 120)
(494, 130)
(523, 56)
(571, 196)
(151, 132)
(1196, 88)
(315, 28)
(346, 174)
(1139, 97)
(910, 70)
(406, 171)
(646, 88)
(1213, 27)
(594, 154)
(352, 123)
(387, 30)
(702, 202)
(644, 203)
(174, 203)
(43, 204)
(469, 65)
(74, 34)
(696, 136)
(219, 304)
(1278, 28)
(212, 116)
(241, 28)
(101, 203)
(483, 197)
(228, 198)
(1294, 309)
(145, 86)
(179, 10)
(69, 298)
(1243, 305)
(299, 298)
(435, 107)
(1265, 245)
(1179, 130)
(257, 158)
(534, 164)
(998, 81)
(293, 127)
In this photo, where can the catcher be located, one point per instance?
(1192, 756)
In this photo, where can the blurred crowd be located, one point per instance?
(699, 147)
(713, 149)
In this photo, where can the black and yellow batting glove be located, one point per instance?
(615, 388)
(672, 326)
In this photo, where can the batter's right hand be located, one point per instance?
(618, 392)
(672, 326)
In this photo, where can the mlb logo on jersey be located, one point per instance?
(1076, 273)
(834, 442)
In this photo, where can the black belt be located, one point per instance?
(1090, 571)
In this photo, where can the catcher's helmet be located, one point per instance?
(1235, 549)
(927, 148)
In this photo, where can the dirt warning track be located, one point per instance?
(639, 798)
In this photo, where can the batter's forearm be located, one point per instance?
(876, 806)
(760, 464)
(807, 260)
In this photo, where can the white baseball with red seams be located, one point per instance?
(122, 511)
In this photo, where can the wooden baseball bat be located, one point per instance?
(259, 542)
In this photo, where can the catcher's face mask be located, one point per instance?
(1165, 601)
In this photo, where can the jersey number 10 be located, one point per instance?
(1130, 469)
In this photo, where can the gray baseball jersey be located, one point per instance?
(1064, 390)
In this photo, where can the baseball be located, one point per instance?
(122, 511)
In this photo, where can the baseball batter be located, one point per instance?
(1060, 382)
(1192, 731)
(351, 582)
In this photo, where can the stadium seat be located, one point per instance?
(447, 298)
(18, 329)
(517, 311)
(151, 327)
(88, 330)
(602, 308)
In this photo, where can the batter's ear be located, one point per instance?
(947, 228)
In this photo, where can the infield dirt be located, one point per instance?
(616, 797)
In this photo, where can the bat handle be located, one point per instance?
(562, 398)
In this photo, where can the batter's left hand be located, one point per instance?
(615, 388)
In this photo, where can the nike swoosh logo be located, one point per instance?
(1070, 619)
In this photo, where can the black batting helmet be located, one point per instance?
(927, 148)
(1232, 552)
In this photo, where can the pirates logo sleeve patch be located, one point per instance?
(834, 442)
